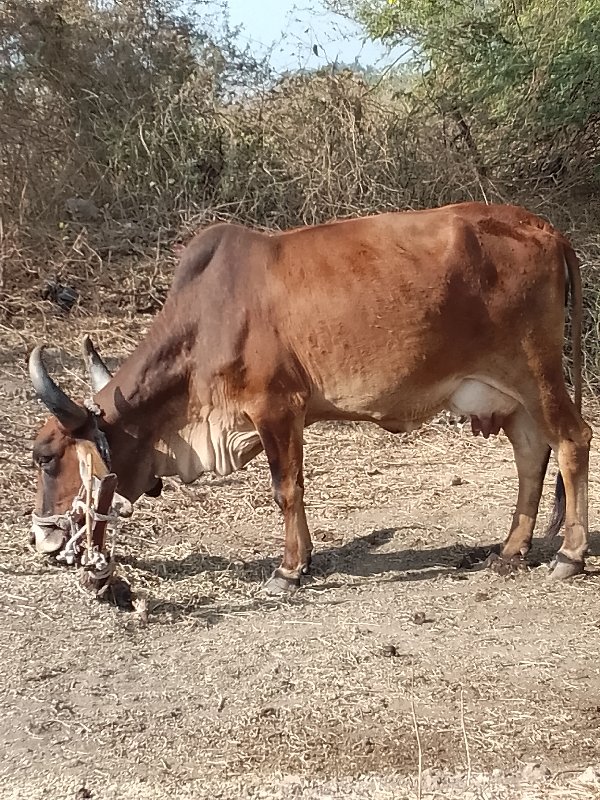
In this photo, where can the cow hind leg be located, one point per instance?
(569, 436)
(282, 442)
(573, 459)
(531, 451)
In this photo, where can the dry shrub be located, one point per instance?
(148, 117)
(125, 126)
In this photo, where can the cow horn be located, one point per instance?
(68, 413)
(97, 369)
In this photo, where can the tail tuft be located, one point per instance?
(559, 509)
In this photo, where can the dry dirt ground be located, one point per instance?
(399, 670)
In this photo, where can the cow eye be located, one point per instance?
(45, 461)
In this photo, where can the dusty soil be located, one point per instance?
(400, 669)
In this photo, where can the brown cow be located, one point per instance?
(388, 319)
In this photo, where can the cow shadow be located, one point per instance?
(360, 558)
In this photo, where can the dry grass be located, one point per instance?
(395, 672)
(93, 174)
(228, 694)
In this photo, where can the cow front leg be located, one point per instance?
(282, 441)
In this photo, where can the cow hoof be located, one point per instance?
(506, 566)
(565, 567)
(279, 584)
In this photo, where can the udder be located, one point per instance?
(487, 406)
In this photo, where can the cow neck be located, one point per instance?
(152, 385)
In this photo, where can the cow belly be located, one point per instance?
(487, 406)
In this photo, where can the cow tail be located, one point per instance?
(572, 263)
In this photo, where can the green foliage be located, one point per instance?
(522, 77)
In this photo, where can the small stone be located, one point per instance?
(389, 650)
(430, 780)
(140, 606)
(457, 481)
(420, 618)
(590, 775)
(534, 772)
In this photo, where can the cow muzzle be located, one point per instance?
(49, 534)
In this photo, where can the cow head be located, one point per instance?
(68, 437)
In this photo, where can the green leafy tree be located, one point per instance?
(519, 79)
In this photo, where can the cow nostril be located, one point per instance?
(155, 491)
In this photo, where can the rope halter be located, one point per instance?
(85, 541)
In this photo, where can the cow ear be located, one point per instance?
(97, 369)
